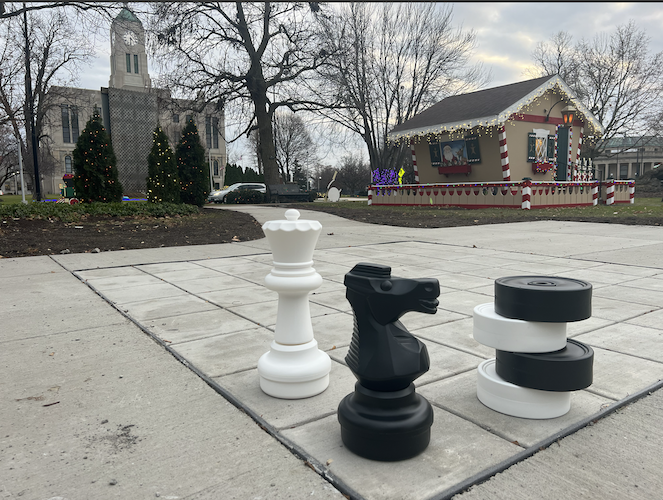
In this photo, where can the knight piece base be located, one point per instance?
(385, 426)
(294, 371)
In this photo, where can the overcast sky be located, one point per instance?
(507, 33)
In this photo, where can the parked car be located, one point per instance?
(220, 196)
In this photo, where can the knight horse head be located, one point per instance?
(383, 355)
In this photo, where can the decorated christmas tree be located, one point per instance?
(192, 169)
(95, 169)
(163, 183)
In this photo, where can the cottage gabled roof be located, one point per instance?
(485, 108)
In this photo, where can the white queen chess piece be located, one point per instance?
(294, 367)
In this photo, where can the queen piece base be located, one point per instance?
(294, 371)
(504, 397)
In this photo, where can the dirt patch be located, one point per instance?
(30, 237)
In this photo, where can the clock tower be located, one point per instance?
(128, 56)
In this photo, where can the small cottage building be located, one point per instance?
(516, 145)
(500, 134)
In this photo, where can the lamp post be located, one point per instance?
(568, 114)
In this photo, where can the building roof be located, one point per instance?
(633, 142)
(126, 15)
(485, 108)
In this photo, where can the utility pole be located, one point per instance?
(30, 108)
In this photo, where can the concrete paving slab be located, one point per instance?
(243, 296)
(640, 296)
(166, 307)
(635, 340)
(631, 270)
(332, 330)
(617, 457)
(414, 321)
(576, 328)
(617, 310)
(462, 281)
(29, 266)
(194, 326)
(458, 395)
(287, 413)
(220, 281)
(335, 300)
(643, 255)
(228, 353)
(654, 283)
(184, 275)
(618, 375)
(458, 449)
(458, 335)
(264, 313)
(653, 319)
(140, 293)
(112, 415)
(462, 302)
(121, 281)
(110, 272)
(166, 267)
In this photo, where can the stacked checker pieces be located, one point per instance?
(535, 366)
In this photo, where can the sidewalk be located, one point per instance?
(98, 406)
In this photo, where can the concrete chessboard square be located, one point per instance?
(199, 325)
(459, 395)
(229, 353)
(286, 413)
(618, 375)
(626, 338)
(458, 449)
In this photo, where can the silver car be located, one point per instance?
(220, 196)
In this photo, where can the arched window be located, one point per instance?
(67, 165)
(216, 167)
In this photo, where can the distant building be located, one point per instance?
(130, 109)
(629, 157)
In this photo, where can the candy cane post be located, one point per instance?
(610, 192)
(414, 162)
(504, 154)
(370, 196)
(631, 192)
(595, 194)
(569, 167)
(582, 129)
(527, 195)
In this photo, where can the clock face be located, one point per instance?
(130, 38)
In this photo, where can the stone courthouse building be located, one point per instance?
(130, 109)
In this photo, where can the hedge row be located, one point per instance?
(70, 213)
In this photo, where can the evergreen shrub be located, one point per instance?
(245, 196)
(95, 165)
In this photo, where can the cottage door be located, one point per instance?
(562, 152)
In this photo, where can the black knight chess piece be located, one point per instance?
(385, 419)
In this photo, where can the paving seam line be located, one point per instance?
(486, 474)
(296, 450)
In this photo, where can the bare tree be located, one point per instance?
(390, 62)
(354, 175)
(253, 54)
(43, 49)
(614, 77)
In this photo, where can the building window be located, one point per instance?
(128, 63)
(215, 132)
(66, 136)
(208, 131)
(189, 118)
(67, 165)
(73, 110)
(176, 118)
(623, 171)
(216, 167)
(135, 64)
